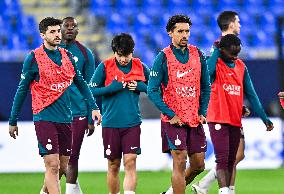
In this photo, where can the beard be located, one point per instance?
(237, 33)
(54, 42)
(183, 43)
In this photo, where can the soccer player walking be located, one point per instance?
(229, 23)
(49, 71)
(230, 83)
(80, 126)
(119, 80)
(179, 86)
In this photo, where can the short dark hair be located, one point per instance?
(177, 19)
(68, 18)
(225, 18)
(49, 21)
(230, 40)
(123, 44)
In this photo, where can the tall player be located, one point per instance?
(80, 126)
(179, 86)
(49, 71)
(120, 80)
(229, 23)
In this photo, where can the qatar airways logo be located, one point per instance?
(186, 91)
(232, 89)
(60, 86)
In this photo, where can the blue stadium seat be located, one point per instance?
(154, 3)
(178, 4)
(101, 3)
(3, 6)
(122, 4)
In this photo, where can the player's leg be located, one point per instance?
(130, 179)
(220, 138)
(63, 160)
(174, 139)
(63, 165)
(202, 186)
(51, 178)
(130, 143)
(197, 165)
(113, 152)
(48, 142)
(178, 174)
(196, 143)
(64, 141)
(239, 157)
(113, 181)
(78, 127)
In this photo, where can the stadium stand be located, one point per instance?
(144, 19)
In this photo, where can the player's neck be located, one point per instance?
(50, 47)
(179, 47)
(227, 32)
(68, 42)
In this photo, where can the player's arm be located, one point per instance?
(85, 91)
(157, 75)
(205, 86)
(89, 66)
(252, 97)
(211, 63)
(97, 83)
(28, 74)
(142, 86)
(88, 70)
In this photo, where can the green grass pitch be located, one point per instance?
(248, 182)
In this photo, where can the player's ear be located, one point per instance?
(42, 35)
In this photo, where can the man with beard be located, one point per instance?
(49, 71)
(230, 83)
(179, 86)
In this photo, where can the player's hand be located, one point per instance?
(124, 84)
(176, 121)
(97, 114)
(202, 119)
(90, 130)
(245, 111)
(269, 125)
(132, 85)
(13, 131)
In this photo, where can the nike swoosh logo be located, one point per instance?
(133, 148)
(81, 118)
(180, 75)
(203, 146)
